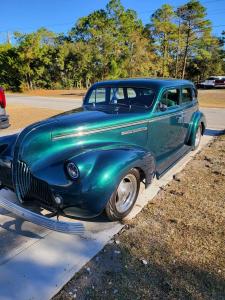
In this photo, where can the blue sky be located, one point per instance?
(60, 15)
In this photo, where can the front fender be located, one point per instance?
(7, 144)
(197, 119)
(106, 164)
(100, 173)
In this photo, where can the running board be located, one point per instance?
(63, 227)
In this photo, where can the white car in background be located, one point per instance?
(4, 119)
(213, 81)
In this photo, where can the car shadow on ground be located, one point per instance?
(214, 132)
(16, 226)
(99, 219)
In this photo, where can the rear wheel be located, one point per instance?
(123, 199)
(198, 136)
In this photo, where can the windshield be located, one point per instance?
(124, 96)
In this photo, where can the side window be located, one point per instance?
(98, 96)
(116, 94)
(131, 93)
(170, 98)
(186, 95)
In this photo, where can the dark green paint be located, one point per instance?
(92, 138)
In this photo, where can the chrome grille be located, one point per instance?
(31, 188)
(23, 179)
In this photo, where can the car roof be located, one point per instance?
(145, 82)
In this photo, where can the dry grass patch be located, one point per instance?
(212, 98)
(73, 93)
(22, 115)
(174, 249)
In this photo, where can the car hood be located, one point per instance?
(90, 118)
(34, 145)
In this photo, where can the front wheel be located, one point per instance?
(124, 197)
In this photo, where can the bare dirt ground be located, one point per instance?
(207, 98)
(174, 248)
(212, 98)
(73, 93)
(21, 116)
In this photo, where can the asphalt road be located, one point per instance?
(43, 261)
(45, 102)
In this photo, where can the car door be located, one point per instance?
(166, 129)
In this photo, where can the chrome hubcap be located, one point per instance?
(126, 193)
(198, 137)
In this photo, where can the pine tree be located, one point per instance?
(194, 26)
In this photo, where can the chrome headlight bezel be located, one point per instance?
(72, 170)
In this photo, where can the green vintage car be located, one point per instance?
(93, 159)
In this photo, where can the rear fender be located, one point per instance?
(197, 119)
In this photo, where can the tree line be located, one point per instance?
(113, 43)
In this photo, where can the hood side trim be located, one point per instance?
(82, 133)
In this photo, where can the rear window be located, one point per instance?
(126, 96)
(169, 99)
(186, 95)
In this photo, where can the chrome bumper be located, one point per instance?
(64, 227)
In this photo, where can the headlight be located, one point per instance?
(72, 170)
